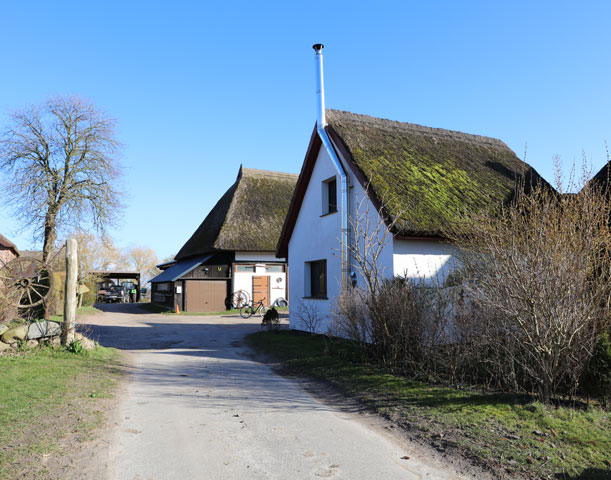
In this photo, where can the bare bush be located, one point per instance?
(539, 277)
(308, 316)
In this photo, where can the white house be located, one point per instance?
(233, 248)
(417, 177)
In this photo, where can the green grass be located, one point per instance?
(47, 394)
(495, 430)
(154, 308)
(88, 310)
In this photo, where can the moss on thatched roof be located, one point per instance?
(425, 176)
(248, 217)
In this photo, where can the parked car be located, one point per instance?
(116, 294)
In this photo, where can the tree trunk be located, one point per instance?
(70, 293)
(50, 235)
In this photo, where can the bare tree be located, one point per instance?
(61, 168)
(143, 260)
(97, 254)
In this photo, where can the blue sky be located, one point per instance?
(199, 88)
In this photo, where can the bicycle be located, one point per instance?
(249, 310)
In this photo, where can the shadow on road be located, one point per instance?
(205, 361)
(128, 308)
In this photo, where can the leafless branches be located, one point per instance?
(539, 276)
(61, 168)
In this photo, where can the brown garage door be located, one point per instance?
(206, 295)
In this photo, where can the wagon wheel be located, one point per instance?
(240, 298)
(25, 282)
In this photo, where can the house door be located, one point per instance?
(260, 289)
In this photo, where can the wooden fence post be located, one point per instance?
(70, 292)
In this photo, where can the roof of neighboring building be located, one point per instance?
(422, 176)
(6, 243)
(179, 269)
(248, 217)
(57, 258)
(601, 179)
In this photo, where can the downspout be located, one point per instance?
(321, 123)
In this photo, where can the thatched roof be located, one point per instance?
(422, 176)
(248, 217)
(57, 258)
(425, 175)
(601, 179)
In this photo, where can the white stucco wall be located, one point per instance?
(243, 280)
(314, 237)
(277, 283)
(318, 237)
(430, 260)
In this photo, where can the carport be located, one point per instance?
(117, 276)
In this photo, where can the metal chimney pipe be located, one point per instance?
(320, 86)
(321, 123)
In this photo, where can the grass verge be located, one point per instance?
(510, 435)
(154, 308)
(50, 397)
(89, 310)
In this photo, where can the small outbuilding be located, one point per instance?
(8, 250)
(233, 250)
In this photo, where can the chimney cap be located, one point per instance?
(318, 47)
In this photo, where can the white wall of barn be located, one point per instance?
(243, 280)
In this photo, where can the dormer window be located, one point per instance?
(329, 196)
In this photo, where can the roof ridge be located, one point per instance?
(418, 129)
(267, 173)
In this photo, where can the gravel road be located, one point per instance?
(197, 405)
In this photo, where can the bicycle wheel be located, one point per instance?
(261, 310)
(246, 311)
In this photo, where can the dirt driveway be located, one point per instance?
(197, 405)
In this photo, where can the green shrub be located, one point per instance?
(90, 297)
(75, 347)
(597, 377)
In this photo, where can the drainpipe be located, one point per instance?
(321, 123)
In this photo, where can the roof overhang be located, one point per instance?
(179, 269)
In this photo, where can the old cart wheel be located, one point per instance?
(25, 282)
(239, 298)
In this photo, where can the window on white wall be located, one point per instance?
(245, 268)
(329, 196)
(316, 279)
(274, 268)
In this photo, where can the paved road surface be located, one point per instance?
(197, 406)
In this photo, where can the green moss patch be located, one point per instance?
(426, 176)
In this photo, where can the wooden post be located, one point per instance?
(70, 292)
